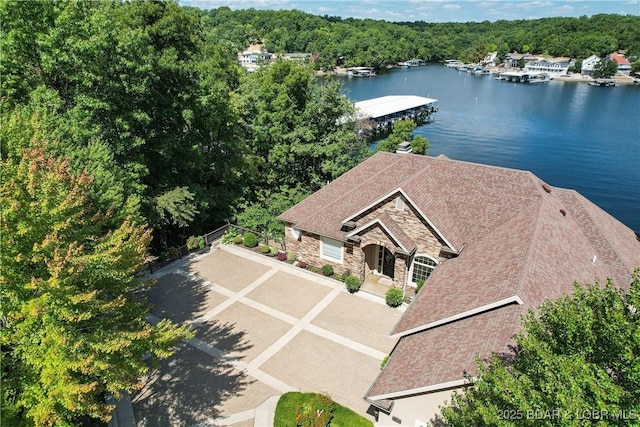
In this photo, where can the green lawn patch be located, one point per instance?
(289, 402)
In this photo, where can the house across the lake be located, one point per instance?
(490, 242)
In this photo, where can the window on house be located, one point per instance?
(331, 249)
(422, 267)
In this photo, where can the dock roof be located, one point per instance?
(387, 105)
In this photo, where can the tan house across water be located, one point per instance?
(492, 242)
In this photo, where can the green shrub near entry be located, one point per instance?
(339, 277)
(314, 269)
(250, 240)
(274, 251)
(291, 257)
(327, 270)
(265, 249)
(394, 297)
(419, 285)
(353, 283)
(237, 239)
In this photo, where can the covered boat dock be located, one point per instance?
(384, 111)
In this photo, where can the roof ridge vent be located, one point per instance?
(546, 187)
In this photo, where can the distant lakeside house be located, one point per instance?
(490, 242)
(538, 64)
(624, 66)
(256, 55)
(589, 65)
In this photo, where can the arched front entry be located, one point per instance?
(379, 260)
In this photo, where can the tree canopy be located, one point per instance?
(72, 327)
(375, 43)
(403, 131)
(576, 360)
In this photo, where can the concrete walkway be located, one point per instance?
(266, 366)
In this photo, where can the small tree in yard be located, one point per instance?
(579, 354)
(605, 68)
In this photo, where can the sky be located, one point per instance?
(435, 10)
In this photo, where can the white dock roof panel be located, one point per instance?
(386, 105)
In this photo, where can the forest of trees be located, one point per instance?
(128, 126)
(367, 42)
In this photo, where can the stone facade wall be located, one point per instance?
(307, 247)
(425, 238)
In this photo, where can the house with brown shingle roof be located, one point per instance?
(492, 242)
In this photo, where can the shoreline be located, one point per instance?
(571, 78)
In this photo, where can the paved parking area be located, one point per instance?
(263, 327)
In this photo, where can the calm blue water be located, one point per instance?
(570, 135)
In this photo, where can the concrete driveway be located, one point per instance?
(263, 327)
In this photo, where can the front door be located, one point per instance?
(386, 262)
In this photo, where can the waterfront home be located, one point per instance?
(624, 66)
(490, 60)
(511, 60)
(588, 65)
(253, 57)
(552, 67)
(490, 243)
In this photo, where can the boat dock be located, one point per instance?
(384, 111)
(523, 77)
(361, 72)
(604, 82)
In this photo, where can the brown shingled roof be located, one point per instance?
(522, 242)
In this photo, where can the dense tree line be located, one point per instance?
(377, 43)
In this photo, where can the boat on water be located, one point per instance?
(361, 72)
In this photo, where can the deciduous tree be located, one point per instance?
(72, 327)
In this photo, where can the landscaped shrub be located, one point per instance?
(419, 285)
(230, 236)
(238, 239)
(315, 412)
(281, 256)
(274, 251)
(265, 249)
(353, 283)
(327, 270)
(339, 277)
(192, 242)
(291, 257)
(250, 240)
(314, 269)
(394, 297)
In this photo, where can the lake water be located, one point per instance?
(571, 135)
